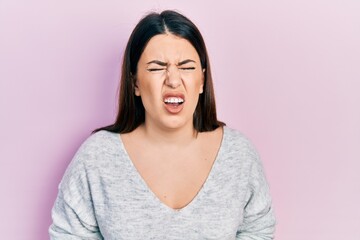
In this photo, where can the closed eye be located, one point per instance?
(187, 68)
(155, 69)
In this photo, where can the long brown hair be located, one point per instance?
(131, 112)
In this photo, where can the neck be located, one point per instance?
(168, 136)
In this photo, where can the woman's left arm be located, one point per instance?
(259, 219)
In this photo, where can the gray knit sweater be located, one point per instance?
(102, 196)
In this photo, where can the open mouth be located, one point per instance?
(174, 100)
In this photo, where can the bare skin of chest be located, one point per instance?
(175, 174)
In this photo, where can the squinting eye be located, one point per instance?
(188, 68)
(155, 69)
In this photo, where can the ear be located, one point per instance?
(201, 90)
(136, 88)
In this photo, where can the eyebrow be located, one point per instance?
(158, 62)
(165, 64)
(185, 61)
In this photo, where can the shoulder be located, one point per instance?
(98, 149)
(236, 139)
(234, 135)
(99, 143)
(238, 146)
(241, 156)
(100, 140)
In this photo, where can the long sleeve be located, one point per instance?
(102, 196)
(73, 212)
(259, 220)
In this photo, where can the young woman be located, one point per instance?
(167, 168)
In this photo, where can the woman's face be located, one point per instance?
(169, 80)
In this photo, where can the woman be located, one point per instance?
(167, 168)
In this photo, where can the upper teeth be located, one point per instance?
(174, 100)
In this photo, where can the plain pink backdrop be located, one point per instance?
(287, 74)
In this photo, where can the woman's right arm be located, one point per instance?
(73, 212)
(68, 223)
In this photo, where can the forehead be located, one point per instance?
(169, 47)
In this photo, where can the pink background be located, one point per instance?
(287, 74)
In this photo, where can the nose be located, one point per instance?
(173, 77)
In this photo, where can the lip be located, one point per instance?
(177, 95)
(173, 108)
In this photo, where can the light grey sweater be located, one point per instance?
(102, 196)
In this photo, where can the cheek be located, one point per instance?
(145, 84)
(150, 90)
(194, 82)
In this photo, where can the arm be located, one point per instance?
(68, 224)
(259, 220)
(73, 212)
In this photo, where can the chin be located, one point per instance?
(173, 124)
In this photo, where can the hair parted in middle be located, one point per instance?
(131, 112)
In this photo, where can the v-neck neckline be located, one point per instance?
(199, 193)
